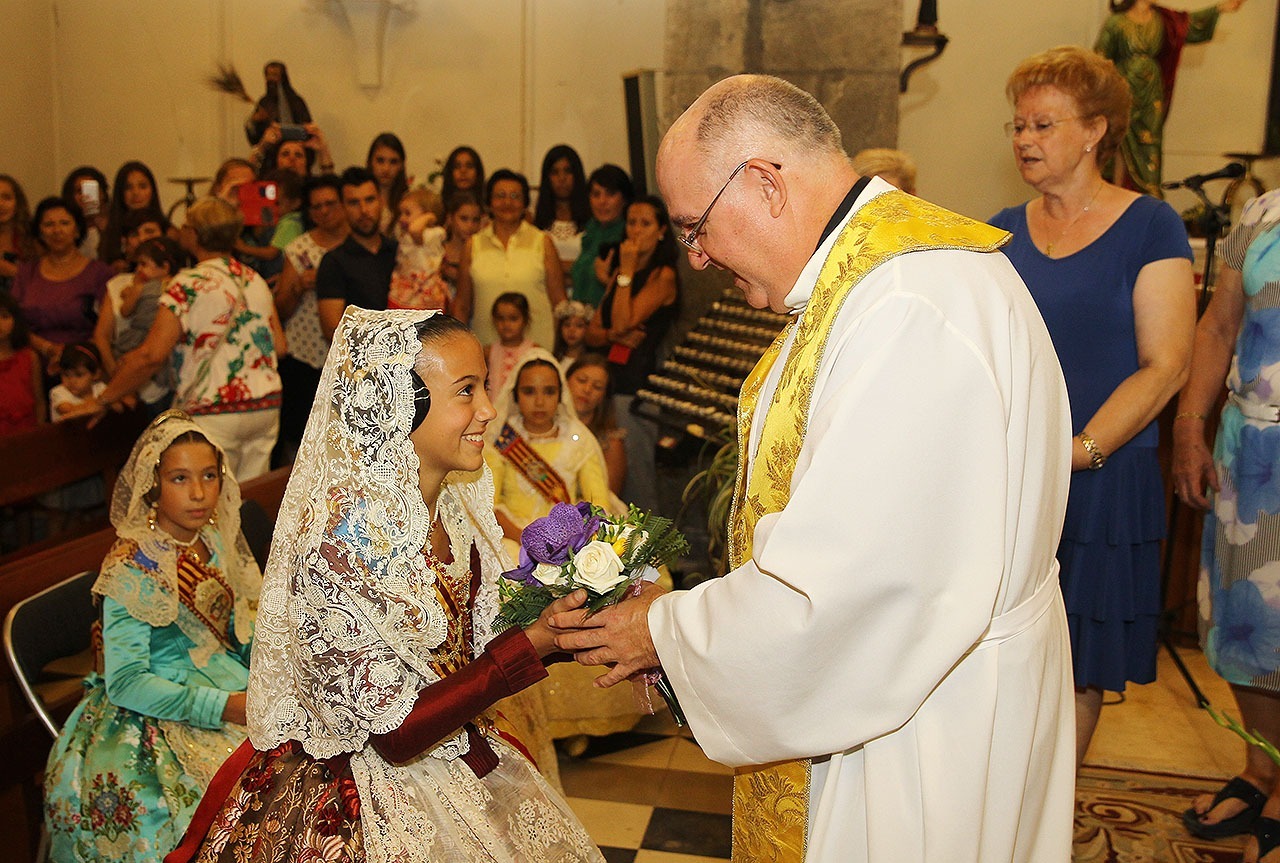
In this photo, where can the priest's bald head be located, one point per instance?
(751, 173)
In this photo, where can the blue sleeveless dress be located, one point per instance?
(1115, 521)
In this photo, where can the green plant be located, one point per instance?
(715, 484)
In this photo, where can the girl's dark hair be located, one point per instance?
(666, 254)
(80, 356)
(614, 179)
(447, 188)
(437, 328)
(23, 244)
(162, 250)
(510, 176)
(534, 363)
(56, 203)
(87, 172)
(21, 333)
(602, 419)
(324, 181)
(579, 205)
(111, 246)
(400, 184)
(458, 200)
(511, 298)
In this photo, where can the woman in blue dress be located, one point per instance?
(179, 593)
(1111, 273)
(1240, 552)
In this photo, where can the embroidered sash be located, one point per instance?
(206, 594)
(533, 467)
(771, 802)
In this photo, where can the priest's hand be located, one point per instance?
(616, 636)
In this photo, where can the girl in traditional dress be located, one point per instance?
(376, 663)
(179, 593)
(542, 454)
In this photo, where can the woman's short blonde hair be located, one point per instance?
(217, 224)
(892, 166)
(1089, 79)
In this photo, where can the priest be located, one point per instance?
(887, 664)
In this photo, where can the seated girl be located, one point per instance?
(179, 593)
(541, 454)
(376, 665)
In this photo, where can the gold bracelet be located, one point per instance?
(1189, 415)
(1096, 458)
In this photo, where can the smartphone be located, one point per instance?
(293, 132)
(259, 203)
(91, 197)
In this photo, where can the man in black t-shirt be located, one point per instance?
(358, 271)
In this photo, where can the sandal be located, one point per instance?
(1238, 789)
(1267, 832)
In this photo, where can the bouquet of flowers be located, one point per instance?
(579, 547)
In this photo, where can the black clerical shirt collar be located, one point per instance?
(843, 210)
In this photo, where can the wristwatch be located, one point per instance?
(624, 281)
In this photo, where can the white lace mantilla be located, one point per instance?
(349, 615)
(148, 588)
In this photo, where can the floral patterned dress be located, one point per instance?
(122, 784)
(1240, 554)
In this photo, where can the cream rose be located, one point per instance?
(549, 574)
(598, 567)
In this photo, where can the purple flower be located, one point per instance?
(1245, 638)
(553, 538)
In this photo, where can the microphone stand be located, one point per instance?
(1213, 223)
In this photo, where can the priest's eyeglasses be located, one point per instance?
(1034, 128)
(690, 237)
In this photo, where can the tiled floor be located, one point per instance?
(650, 796)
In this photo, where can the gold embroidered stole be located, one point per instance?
(532, 466)
(771, 802)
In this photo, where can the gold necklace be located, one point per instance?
(1048, 249)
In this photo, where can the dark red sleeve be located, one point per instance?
(508, 665)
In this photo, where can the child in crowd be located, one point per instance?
(22, 405)
(591, 387)
(511, 322)
(572, 318)
(416, 282)
(289, 201)
(463, 219)
(80, 368)
(154, 263)
(179, 592)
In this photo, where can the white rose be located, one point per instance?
(598, 567)
(549, 574)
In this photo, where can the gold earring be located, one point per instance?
(151, 515)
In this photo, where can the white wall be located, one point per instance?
(26, 95)
(103, 81)
(509, 77)
(952, 116)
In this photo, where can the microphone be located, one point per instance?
(1195, 181)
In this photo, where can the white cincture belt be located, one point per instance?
(1256, 411)
(1023, 616)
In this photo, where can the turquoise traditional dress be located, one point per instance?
(134, 757)
(1240, 553)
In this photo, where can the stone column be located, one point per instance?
(844, 52)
